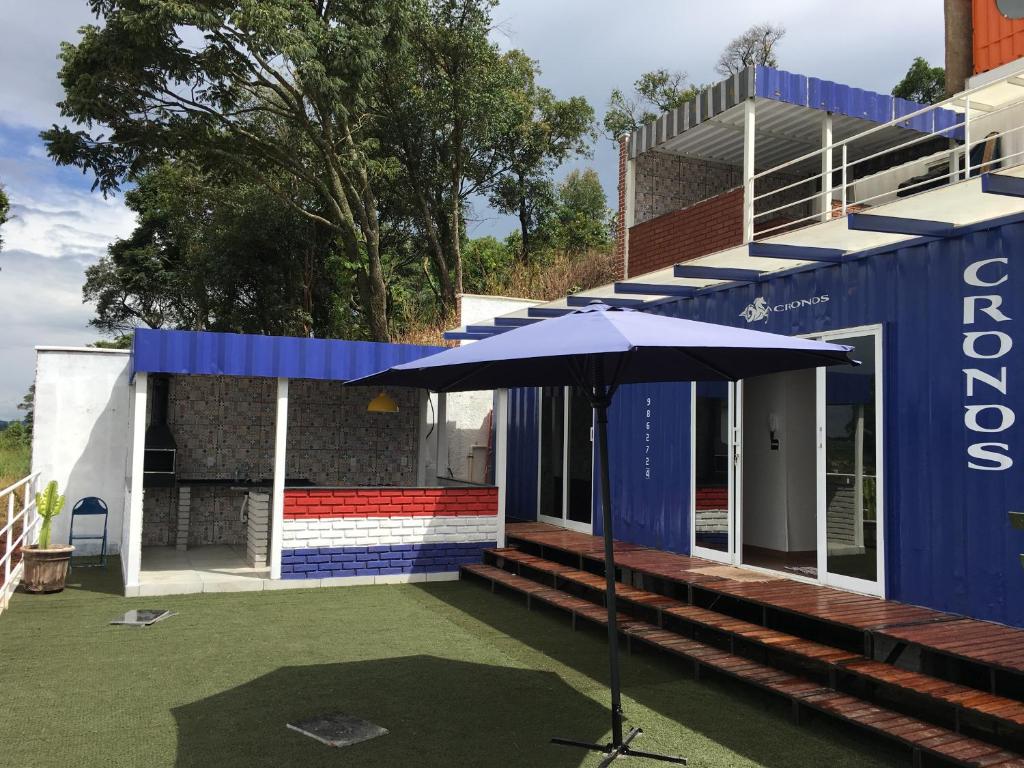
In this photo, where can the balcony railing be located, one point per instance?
(988, 119)
(20, 528)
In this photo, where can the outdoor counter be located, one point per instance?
(387, 531)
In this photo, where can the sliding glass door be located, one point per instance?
(712, 458)
(850, 520)
(566, 455)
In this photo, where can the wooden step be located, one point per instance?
(918, 735)
(770, 639)
(960, 697)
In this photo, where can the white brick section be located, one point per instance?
(372, 531)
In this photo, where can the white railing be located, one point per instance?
(966, 121)
(13, 536)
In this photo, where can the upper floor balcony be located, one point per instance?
(765, 152)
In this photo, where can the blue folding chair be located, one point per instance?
(90, 506)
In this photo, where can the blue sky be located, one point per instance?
(585, 47)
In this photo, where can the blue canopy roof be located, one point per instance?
(237, 354)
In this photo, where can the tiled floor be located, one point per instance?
(218, 568)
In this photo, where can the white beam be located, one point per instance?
(748, 170)
(442, 435)
(826, 165)
(501, 456)
(131, 549)
(277, 500)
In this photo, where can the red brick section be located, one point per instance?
(709, 226)
(305, 503)
(620, 221)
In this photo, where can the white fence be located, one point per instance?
(988, 119)
(20, 529)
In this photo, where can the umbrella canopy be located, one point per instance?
(601, 345)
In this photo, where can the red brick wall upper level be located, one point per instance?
(709, 226)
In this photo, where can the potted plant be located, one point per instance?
(46, 567)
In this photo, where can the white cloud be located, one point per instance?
(56, 221)
(42, 306)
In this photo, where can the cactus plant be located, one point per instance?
(49, 503)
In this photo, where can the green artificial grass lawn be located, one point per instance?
(460, 677)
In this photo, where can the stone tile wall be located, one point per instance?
(224, 428)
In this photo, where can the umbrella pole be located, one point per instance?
(618, 746)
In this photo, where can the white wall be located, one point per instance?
(81, 432)
(468, 411)
(779, 509)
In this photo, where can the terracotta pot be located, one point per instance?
(45, 569)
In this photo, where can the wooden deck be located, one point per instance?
(983, 643)
(959, 699)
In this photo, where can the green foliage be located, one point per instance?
(121, 341)
(14, 436)
(274, 93)
(756, 46)
(654, 92)
(28, 405)
(922, 83)
(214, 253)
(358, 129)
(49, 504)
(582, 220)
(5, 210)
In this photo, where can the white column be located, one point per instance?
(748, 170)
(277, 500)
(442, 434)
(858, 480)
(131, 549)
(501, 456)
(424, 428)
(826, 166)
(630, 213)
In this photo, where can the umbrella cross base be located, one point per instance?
(614, 751)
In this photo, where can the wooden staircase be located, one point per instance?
(940, 721)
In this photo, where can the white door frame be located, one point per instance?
(563, 521)
(735, 549)
(734, 458)
(850, 583)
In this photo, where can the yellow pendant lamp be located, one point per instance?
(382, 403)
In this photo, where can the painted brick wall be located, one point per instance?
(383, 560)
(385, 532)
(706, 227)
(389, 502)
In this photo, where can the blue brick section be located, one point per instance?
(331, 562)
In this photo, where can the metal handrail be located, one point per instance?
(960, 104)
(896, 121)
(30, 521)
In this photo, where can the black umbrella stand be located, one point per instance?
(600, 398)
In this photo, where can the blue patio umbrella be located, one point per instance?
(598, 348)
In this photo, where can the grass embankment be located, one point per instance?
(14, 465)
(460, 677)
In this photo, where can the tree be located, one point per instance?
(5, 209)
(922, 83)
(216, 254)
(265, 90)
(28, 405)
(754, 47)
(14, 435)
(464, 119)
(653, 93)
(583, 219)
(550, 132)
